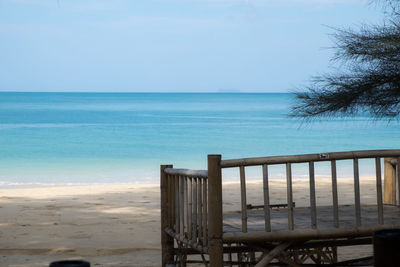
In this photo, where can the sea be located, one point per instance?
(87, 138)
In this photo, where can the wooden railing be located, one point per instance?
(191, 201)
(310, 159)
(184, 207)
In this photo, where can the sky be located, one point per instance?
(171, 45)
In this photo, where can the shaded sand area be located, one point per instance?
(119, 225)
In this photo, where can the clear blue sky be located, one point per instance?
(170, 45)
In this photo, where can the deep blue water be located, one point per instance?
(118, 137)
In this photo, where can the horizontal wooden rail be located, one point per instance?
(310, 157)
(306, 234)
(187, 172)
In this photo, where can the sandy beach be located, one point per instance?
(119, 225)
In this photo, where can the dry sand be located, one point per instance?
(119, 225)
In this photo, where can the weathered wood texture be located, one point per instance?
(167, 242)
(325, 220)
(306, 234)
(215, 210)
(379, 190)
(191, 205)
(390, 182)
(310, 157)
(243, 198)
(267, 215)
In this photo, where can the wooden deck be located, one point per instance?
(302, 218)
(193, 221)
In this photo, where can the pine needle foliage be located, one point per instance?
(370, 77)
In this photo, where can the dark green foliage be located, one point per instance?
(370, 77)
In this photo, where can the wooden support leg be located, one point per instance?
(215, 211)
(167, 242)
(273, 254)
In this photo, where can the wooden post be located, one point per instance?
(379, 190)
(357, 198)
(167, 242)
(215, 210)
(243, 198)
(389, 182)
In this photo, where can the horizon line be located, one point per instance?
(154, 92)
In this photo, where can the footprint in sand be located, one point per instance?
(80, 236)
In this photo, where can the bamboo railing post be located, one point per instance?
(312, 195)
(243, 198)
(215, 210)
(194, 210)
(357, 199)
(267, 211)
(188, 206)
(379, 190)
(177, 205)
(335, 195)
(182, 204)
(199, 208)
(389, 182)
(395, 163)
(205, 213)
(167, 242)
(289, 196)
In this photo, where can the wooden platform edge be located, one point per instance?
(306, 234)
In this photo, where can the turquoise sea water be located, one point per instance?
(118, 137)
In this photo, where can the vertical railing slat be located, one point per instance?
(397, 177)
(312, 196)
(267, 211)
(205, 211)
(243, 198)
(335, 195)
(357, 192)
(194, 209)
(177, 205)
(188, 196)
(171, 195)
(379, 199)
(182, 203)
(200, 208)
(167, 241)
(289, 196)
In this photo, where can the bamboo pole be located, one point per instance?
(205, 213)
(267, 211)
(273, 253)
(389, 182)
(177, 205)
(167, 242)
(200, 208)
(335, 195)
(312, 196)
(187, 172)
(188, 195)
(309, 157)
(289, 196)
(395, 164)
(181, 205)
(194, 209)
(243, 198)
(215, 211)
(357, 199)
(305, 234)
(379, 190)
(173, 200)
